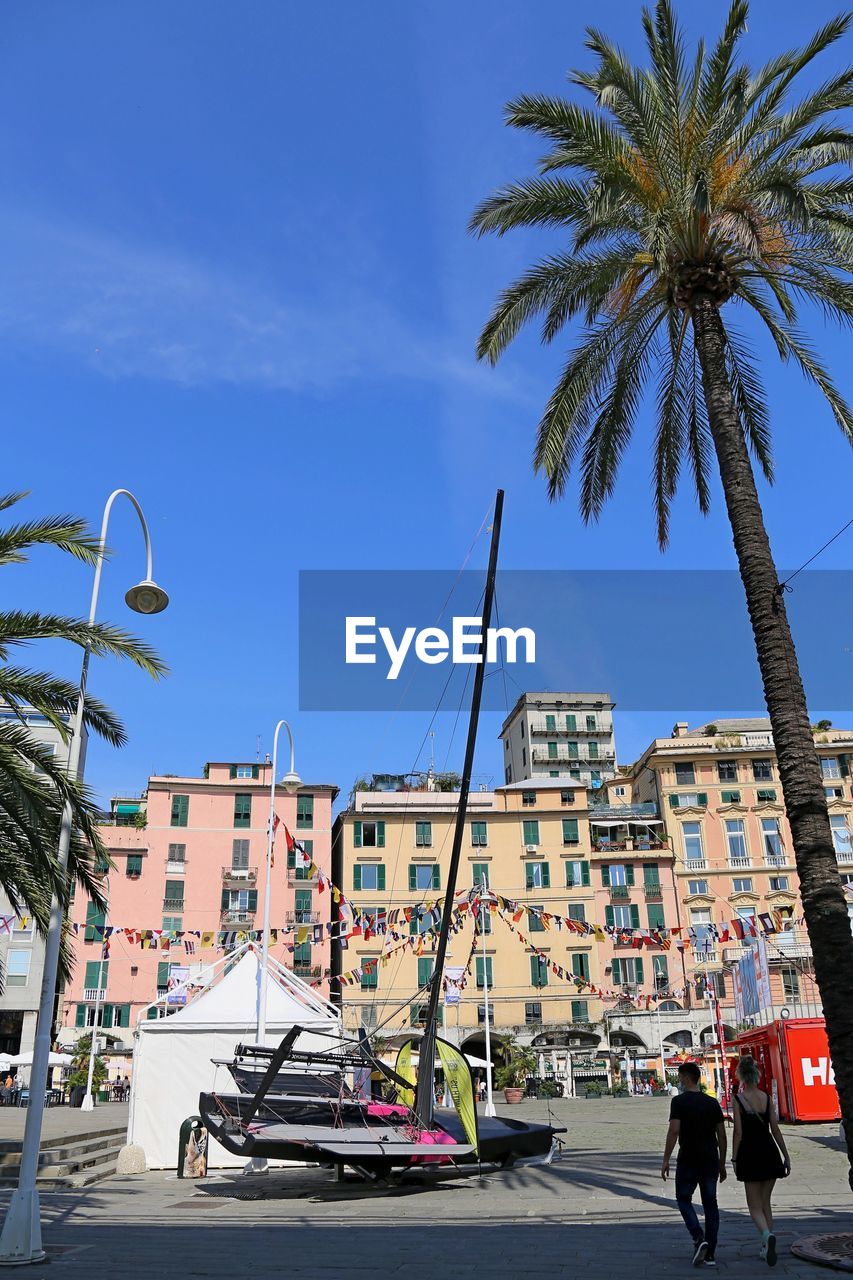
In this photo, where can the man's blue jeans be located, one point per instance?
(687, 1178)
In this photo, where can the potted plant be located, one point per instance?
(520, 1063)
(593, 1089)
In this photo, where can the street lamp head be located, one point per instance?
(146, 597)
(291, 782)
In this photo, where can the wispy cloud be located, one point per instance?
(135, 310)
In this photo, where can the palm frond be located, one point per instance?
(18, 627)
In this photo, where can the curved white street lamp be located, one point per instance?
(20, 1240)
(291, 783)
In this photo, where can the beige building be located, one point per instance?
(560, 735)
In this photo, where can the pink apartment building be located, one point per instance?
(189, 858)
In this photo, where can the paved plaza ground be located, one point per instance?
(64, 1122)
(600, 1211)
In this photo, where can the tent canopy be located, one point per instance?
(54, 1060)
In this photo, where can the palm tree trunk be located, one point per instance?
(799, 769)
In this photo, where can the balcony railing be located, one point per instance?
(653, 892)
(844, 856)
(704, 957)
(738, 861)
(173, 904)
(92, 993)
(776, 859)
(539, 756)
(307, 970)
(642, 845)
(695, 864)
(302, 917)
(176, 865)
(619, 892)
(246, 875)
(627, 811)
(557, 731)
(293, 879)
(237, 917)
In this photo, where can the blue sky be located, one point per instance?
(237, 280)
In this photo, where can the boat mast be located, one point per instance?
(424, 1101)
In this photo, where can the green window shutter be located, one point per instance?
(80, 1020)
(629, 874)
(528, 875)
(580, 1011)
(550, 722)
(124, 1015)
(593, 750)
(413, 876)
(570, 831)
(232, 771)
(94, 923)
(356, 835)
(531, 831)
(651, 875)
(224, 900)
(702, 798)
(639, 965)
(605, 875)
(106, 1015)
(380, 835)
(580, 965)
(93, 968)
(175, 889)
(380, 874)
(844, 766)
(163, 973)
(731, 797)
(573, 751)
(584, 873)
(253, 899)
(571, 724)
(656, 920)
(608, 915)
(546, 876)
(256, 771)
(436, 876)
(617, 973)
(180, 811)
(673, 802)
(635, 916)
(552, 751)
(425, 968)
(242, 810)
(305, 811)
(356, 876)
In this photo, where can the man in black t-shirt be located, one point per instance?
(697, 1124)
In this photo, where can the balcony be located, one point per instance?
(776, 860)
(704, 957)
(307, 970)
(737, 862)
(538, 756)
(738, 952)
(176, 866)
(635, 845)
(93, 994)
(653, 892)
(695, 864)
(295, 880)
(236, 917)
(302, 917)
(844, 857)
(627, 811)
(245, 875)
(173, 904)
(600, 730)
(619, 893)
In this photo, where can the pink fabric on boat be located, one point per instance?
(385, 1109)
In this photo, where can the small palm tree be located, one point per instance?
(33, 787)
(690, 191)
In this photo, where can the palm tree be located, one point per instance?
(33, 788)
(691, 190)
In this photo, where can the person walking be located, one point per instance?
(759, 1154)
(697, 1124)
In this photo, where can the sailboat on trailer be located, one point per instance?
(298, 1105)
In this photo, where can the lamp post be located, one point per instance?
(20, 1240)
(88, 1102)
(291, 783)
(490, 1105)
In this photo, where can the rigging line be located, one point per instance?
(783, 586)
(503, 660)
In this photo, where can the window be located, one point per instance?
(177, 854)
(242, 810)
(778, 884)
(17, 967)
(689, 799)
(617, 873)
(180, 811)
(573, 751)
(580, 965)
(627, 971)
(697, 887)
(479, 834)
(534, 922)
(171, 924)
(727, 770)
(242, 901)
(591, 724)
(651, 875)
(570, 831)
(685, 774)
(532, 1012)
(571, 724)
(829, 767)
(691, 834)
(96, 974)
(622, 915)
(133, 868)
(94, 924)
(550, 724)
(538, 972)
(531, 830)
(741, 885)
(368, 835)
(244, 771)
(567, 797)
(765, 795)
(772, 837)
(790, 983)
(619, 791)
(304, 812)
(524, 766)
(302, 909)
(736, 841)
(508, 773)
(369, 973)
(702, 915)
(577, 911)
(840, 833)
(423, 834)
(552, 751)
(368, 875)
(174, 895)
(762, 770)
(528, 797)
(484, 971)
(577, 874)
(580, 1011)
(834, 793)
(592, 750)
(480, 875)
(655, 913)
(747, 915)
(731, 797)
(426, 875)
(426, 965)
(302, 871)
(240, 855)
(483, 922)
(537, 875)
(660, 973)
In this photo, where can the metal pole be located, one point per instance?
(662, 1052)
(20, 1240)
(265, 943)
(490, 1106)
(88, 1102)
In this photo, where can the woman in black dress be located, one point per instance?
(759, 1153)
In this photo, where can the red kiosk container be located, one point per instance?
(795, 1065)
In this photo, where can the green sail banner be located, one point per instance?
(405, 1069)
(457, 1073)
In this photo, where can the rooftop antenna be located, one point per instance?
(258, 748)
(432, 750)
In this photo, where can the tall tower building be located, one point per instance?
(560, 735)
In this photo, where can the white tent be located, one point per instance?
(172, 1057)
(53, 1059)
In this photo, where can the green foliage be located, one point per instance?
(519, 1063)
(34, 786)
(79, 1074)
(140, 820)
(691, 176)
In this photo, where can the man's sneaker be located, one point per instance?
(701, 1253)
(771, 1250)
(710, 1262)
